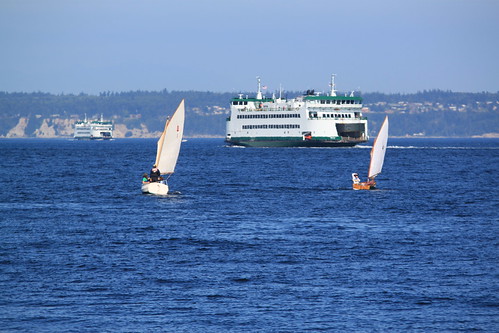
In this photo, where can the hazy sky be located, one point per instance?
(91, 46)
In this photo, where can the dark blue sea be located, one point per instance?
(252, 240)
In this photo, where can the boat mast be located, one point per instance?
(333, 85)
(259, 92)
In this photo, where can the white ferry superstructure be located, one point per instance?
(94, 129)
(311, 120)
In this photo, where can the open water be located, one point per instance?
(257, 240)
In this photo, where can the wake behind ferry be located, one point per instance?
(311, 120)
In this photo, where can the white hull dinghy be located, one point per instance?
(167, 152)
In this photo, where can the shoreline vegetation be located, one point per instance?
(139, 114)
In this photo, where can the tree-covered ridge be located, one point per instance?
(133, 109)
(435, 96)
(143, 113)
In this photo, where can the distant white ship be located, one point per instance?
(312, 120)
(94, 129)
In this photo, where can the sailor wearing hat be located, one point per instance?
(155, 175)
(355, 178)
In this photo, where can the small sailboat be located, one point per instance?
(167, 152)
(377, 159)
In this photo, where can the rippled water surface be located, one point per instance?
(253, 239)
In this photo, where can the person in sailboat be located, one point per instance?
(155, 174)
(145, 179)
(355, 178)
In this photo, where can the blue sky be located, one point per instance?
(91, 46)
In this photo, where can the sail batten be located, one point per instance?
(378, 150)
(170, 140)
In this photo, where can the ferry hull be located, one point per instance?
(93, 138)
(291, 143)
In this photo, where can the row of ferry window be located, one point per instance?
(287, 126)
(240, 103)
(266, 116)
(330, 115)
(339, 101)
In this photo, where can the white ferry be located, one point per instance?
(94, 129)
(311, 120)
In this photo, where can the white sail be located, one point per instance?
(170, 140)
(378, 150)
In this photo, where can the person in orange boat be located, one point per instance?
(355, 178)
